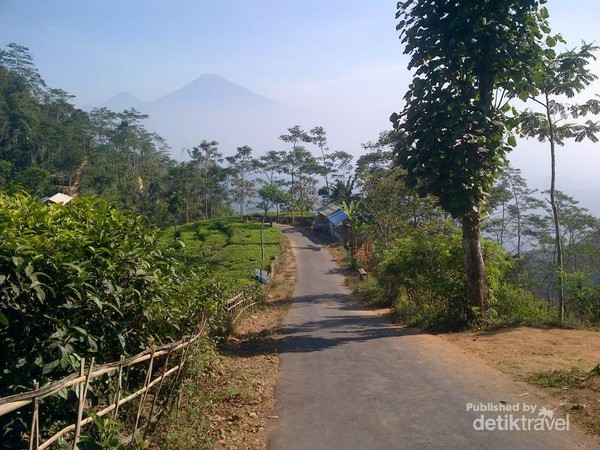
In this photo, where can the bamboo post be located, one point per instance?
(118, 388)
(143, 396)
(179, 368)
(34, 433)
(83, 387)
(156, 394)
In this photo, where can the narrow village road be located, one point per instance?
(351, 380)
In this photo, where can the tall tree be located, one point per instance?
(579, 235)
(243, 166)
(562, 74)
(318, 136)
(453, 126)
(17, 59)
(207, 158)
(508, 204)
(301, 165)
(271, 165)
(270, 194)
(293, 160)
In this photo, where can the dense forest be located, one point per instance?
(47, 145)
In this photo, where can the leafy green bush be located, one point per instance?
(583, 296)
(370, 289)
(82, 279)
(514, 305)
(424, 278)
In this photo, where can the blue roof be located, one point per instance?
(338, 217)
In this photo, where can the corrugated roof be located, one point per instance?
(56, 198)
(338, 217)
(329, 209)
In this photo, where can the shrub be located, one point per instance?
(513, 305)
(76, 280)
(424, 278)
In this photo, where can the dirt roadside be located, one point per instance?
(250, 364)
(522, 352)
(565, 363)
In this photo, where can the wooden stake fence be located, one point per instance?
(85, 376)
(236, 306)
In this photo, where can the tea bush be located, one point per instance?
(83, 279)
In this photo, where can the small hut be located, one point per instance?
(330, 219)
(63, 199)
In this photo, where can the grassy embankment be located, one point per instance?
(221, 389)
(228, 248)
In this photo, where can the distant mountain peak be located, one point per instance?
(212, 89)
(214, 108)
(211, 76)
(123, 101)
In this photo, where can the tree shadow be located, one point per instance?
(316, 237)
(321, 334)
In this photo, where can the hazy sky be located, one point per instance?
(341, 58)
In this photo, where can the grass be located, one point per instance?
(578, 390)
(228, 247)
(226, 395)
(188, 425)
(558, 378)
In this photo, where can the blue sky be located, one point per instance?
(339, 57)
(97, 48)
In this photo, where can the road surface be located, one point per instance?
(351, 380)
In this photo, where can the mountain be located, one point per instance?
(124, 100)
(214, 108)
(212, 90)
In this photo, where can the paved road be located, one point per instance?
(350, 380)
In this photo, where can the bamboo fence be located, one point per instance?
(148, 408)
(89, 372)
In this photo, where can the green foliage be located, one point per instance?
(48, 145)
(77, 280)
(423, 278)
(370, 290)
(202, 387)
(227, 249)
(452, 130)
(512, 305)
(558, 378)
(563, 74)
(105, 435)
(583, 295)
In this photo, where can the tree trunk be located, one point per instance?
(262, 241)
(558, 249)
(556, 217)
(476, 283)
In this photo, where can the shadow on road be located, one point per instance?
(316, 237)
(348, 322)
(325, 332)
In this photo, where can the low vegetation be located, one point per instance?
(228, 393)
(90, 280)
(578, 389)
(227, 247)
(423, 280)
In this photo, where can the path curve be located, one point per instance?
(351, 380)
